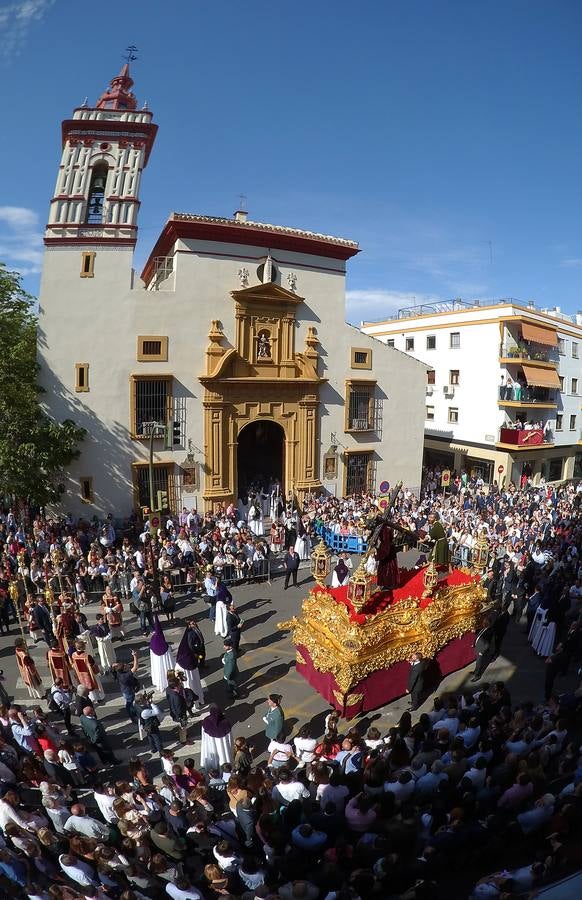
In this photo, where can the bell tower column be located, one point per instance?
(105, 149)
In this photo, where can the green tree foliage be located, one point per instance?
(34, 449)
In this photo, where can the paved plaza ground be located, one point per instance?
(267, 665)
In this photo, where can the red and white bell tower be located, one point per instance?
(105, 149)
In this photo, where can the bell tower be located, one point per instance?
(105, 149)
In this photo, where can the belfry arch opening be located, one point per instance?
(96, 197)
(260, 456)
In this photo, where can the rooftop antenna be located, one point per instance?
(242, 198)
(130, 52)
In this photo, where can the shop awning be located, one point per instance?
(539, 334)
(535, 377)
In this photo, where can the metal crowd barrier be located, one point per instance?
(340, 543)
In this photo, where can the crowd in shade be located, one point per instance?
(470, 787)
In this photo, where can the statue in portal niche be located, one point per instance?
(264, 345)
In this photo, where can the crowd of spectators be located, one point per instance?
(475, 785)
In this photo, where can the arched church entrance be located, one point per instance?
(260, 456)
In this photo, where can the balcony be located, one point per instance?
(523, 439)
(514, 354)
(529, 396)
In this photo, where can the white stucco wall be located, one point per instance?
(97, 321)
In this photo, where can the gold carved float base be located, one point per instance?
(351, 651)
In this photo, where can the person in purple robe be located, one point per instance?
(188, 658)
(216, 749)
(161, 657)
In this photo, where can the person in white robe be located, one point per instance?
(255, 518)
(161, 657)
(220, 626)
(216, 744)
(303, 546)
(102, 635)
(188, 658)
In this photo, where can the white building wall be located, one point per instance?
(97, 321)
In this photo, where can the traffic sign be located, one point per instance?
(384, 487)
(154, 524)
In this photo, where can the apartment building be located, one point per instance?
(504, 391)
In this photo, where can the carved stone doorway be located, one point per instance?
(260, 455)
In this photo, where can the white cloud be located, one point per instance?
(364, 305)
(20, 239)
(572, 263)
(15, 21)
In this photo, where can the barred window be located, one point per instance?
(359, 473)
(360, 406)
(152, 347)
(151, 403)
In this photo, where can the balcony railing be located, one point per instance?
(524, 437)
(527, 351)
(527, 394)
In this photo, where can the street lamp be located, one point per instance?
(155, 430)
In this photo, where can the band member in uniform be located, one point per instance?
(28, 670)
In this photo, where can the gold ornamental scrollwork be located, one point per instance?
(351, 651)
(300, 658)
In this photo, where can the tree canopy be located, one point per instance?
(34, 449)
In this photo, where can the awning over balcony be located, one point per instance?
(539, 334)
(535, 377)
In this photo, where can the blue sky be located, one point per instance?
(443, 135)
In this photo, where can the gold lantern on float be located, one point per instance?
(430, 579)
(360, 587)
(321, 562)
(481, 552)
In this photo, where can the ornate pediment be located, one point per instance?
(270, 293)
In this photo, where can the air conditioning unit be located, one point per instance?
(429, 390)
(449, 390)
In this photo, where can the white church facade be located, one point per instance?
(228, 359)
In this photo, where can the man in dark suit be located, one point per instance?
(416, 679)
(291, 567)
(230, 668)
(41, 616)
(484, 644)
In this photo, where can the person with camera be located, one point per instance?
(150, 718)
(128, 684)
(60, 701)
(142, 602)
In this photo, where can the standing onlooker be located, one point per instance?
(150, 719)
(97, 736)
(274, 719)
(230, 668)
(128, 684)
(291, 566)
(484, 648)
(416, 679)
(63, 699)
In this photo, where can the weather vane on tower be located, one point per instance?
(130, 53)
